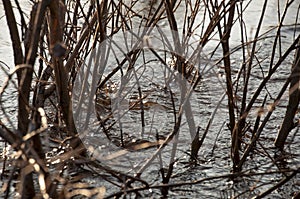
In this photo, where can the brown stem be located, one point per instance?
(294, 97)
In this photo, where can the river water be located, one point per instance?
(215, 153)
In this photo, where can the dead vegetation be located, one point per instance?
(106, 103)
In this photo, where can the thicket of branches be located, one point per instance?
(52, 47)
